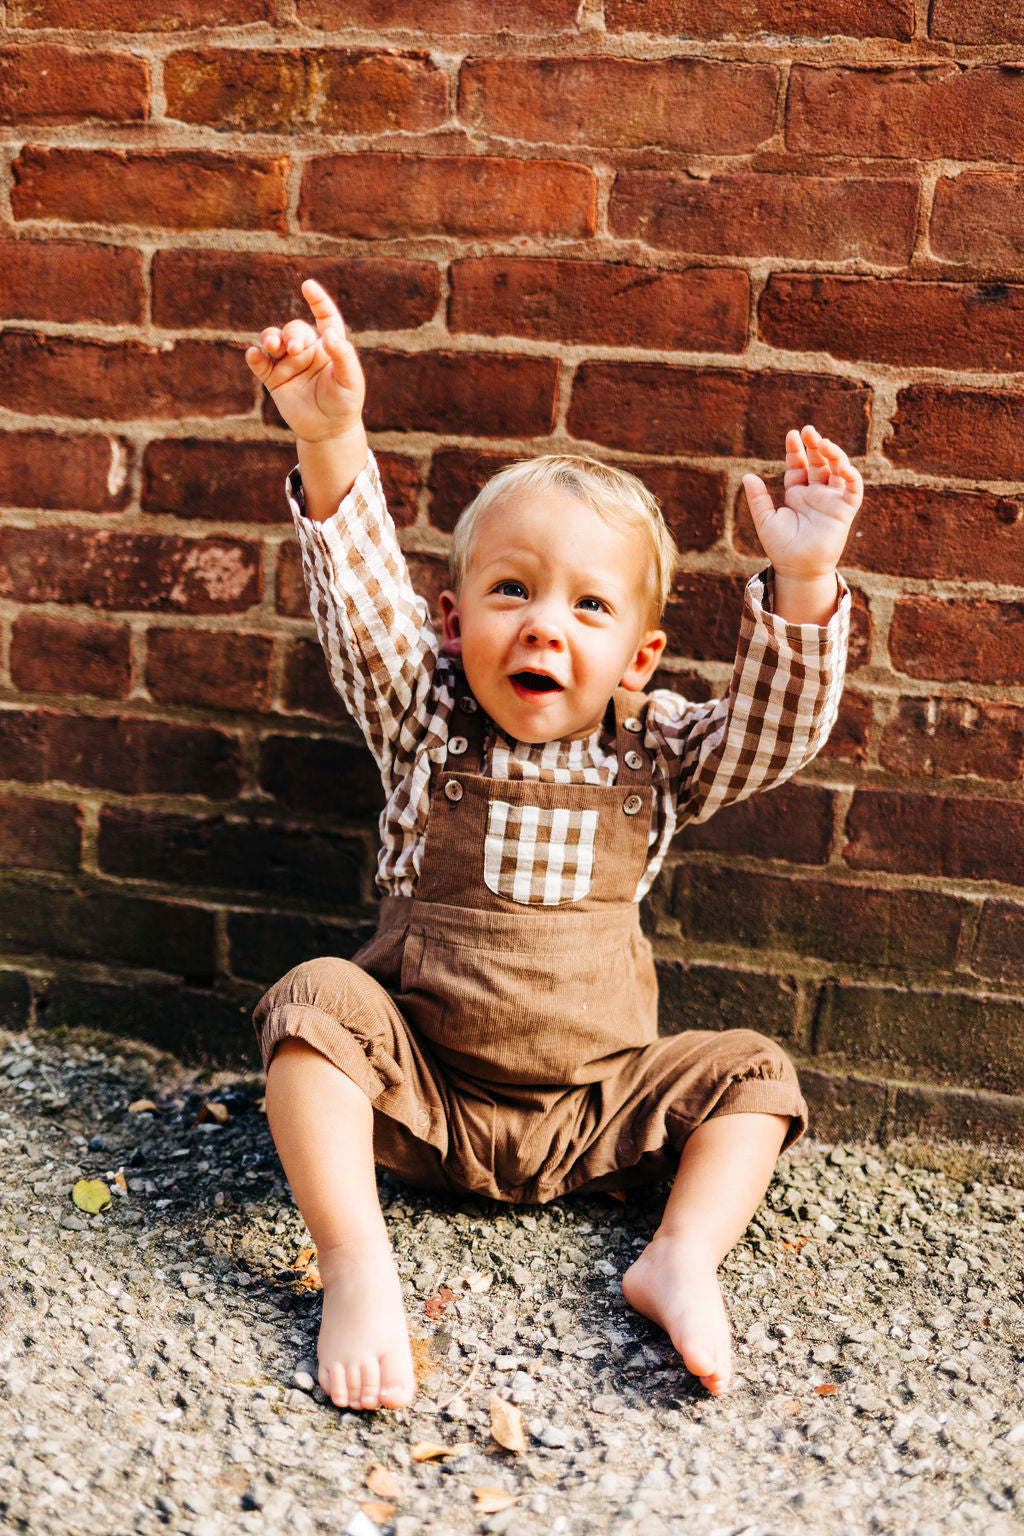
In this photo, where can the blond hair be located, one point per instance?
(614, 494)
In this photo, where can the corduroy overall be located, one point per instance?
(510, 1046)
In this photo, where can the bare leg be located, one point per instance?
(724, 1171)
(322, 1125)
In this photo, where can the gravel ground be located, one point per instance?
(156, 1359)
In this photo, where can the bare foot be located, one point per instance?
(675, 1284)
(363, 1348)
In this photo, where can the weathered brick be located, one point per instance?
(963, 640)
(826, 919)
(39, 834)
(400, 478)
(137, 15)
(986, 21)
(474, 393)
(843, 1107)
(923, 1113)
(955, 738)
(166, 189)
(999, 945)
(123, 753)
(323, 90)
(289, 588)
(724, 997)
(953, 1037)
(122, 381)
(138, 572)
(456, 475)
(657, 408)
(693, 104)
(608, 303)
(81, 473)
(795, 823)
(108, 926)
(449, 17)
(213, 668)
(247, 290)
(200, 1026)
(310, 866)
(56, 655)
(924, 111)
(702, 620)
(715, 19)
(15, 999)
(978, 326)
(265, 945)
(976, 218)
(677, 680)
(337, 777)
(813, 218)
(222, 482)
(70, 281)
(374, 196)
(45, 83)
(956, 836)
(928, 533)
(850, 736)
(306, 685)
(948, 431)
(430, 576)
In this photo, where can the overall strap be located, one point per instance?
(465, 731)
(634, 762)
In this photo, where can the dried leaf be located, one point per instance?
(446, 1293)
(617, 1194)
(304, 1257)
(382, 1482)
(826, 1389)
(311, 1280)
(507, 1424)
(120, 1180)
(429, 1450)
(139, 1105)
(490, 1500)
(433, 1307)
(477, 1280)
(792, 1406)
(91, 1195)
(424, 1362)
(215, 1110)
(794, 1246)
(378, 1513)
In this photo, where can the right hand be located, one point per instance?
(313, 375)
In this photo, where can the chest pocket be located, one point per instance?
(539, 856)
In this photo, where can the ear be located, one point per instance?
(452, 637)
(641, 668)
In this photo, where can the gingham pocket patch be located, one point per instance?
(539, 857)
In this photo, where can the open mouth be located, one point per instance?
(536, 682)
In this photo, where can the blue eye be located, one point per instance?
(593, 604)
(511, 589)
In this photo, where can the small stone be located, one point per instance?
(188, 1280)
(605, 1403)
(303, 1380)
(552, 1435)
(1014, 1435)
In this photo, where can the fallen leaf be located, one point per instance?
(121, 1181)
(311, 1281)
(477, 1280)
(490, 1500)
(507, 1424)
(304, 1258)
(424, 1363)
(213, 1111)
(826, 1389)
(382, 1482)
(378, 1513)
(446, 1293)
(139, 1105)
(792, 1406)
(794, 1246)
(91, 1195)
(617, 1194)
(429, 1450)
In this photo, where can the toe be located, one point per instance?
(335, 1384)
(370, 1397)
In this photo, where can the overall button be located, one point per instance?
(632, 724)
(631, 804)
(457, 745)
(453, 789)
(633, 760)
(468, 705)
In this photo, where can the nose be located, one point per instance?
(540, 628)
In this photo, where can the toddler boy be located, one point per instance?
(499, 1032)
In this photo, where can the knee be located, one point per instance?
(323, 984)
(753, 1055)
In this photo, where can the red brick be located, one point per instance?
(44, 83)
(321, 775)
(927, 533)
(290, 589)
(946, 431)
(306, 685)
(126, 754)
(850, 736)
(400, 478)
(103, 925)
(235, 481)
(213, 668)
(702, 619)
(69, 281)
(138, 572)
(324, 90)
(264, 945)
(449, 17)
(958, 837)
(978, 326)
(696, 690)
(51, 655)
(430, 576)
(374, 196)
(168, 189)
(976, 218)
(985, 21)
(657, 408)
(472, 393)
(923, 1113)
(794, 823)
(39, 834)
(138, 15)
(123, 381)
(608, 303)
(456, 475)
(700, 105)
(861, 622)
(926, 111)
(955, 738)
(963, 640)
(813, 218)
(80, 473)
(724, 997)
(827, 919)
(715, 19)
(844, 1107)
(999, 945)
(247, 290)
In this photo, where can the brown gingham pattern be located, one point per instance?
(385, 662)
(537, 855)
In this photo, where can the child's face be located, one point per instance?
(552, 616)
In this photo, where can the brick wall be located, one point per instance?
(660, 231)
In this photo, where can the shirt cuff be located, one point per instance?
(760, 597)
(365, 492)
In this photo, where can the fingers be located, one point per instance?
(758, 499)
(325, 312)
(815, 460)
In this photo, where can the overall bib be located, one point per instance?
(503, 1020)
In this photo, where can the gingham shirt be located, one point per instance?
(385, 662)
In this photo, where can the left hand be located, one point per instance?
(805, 536)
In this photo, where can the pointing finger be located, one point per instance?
(325, 312)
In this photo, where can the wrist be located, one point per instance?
(806, 599)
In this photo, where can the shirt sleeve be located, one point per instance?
(376, 632)
(782, 703)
